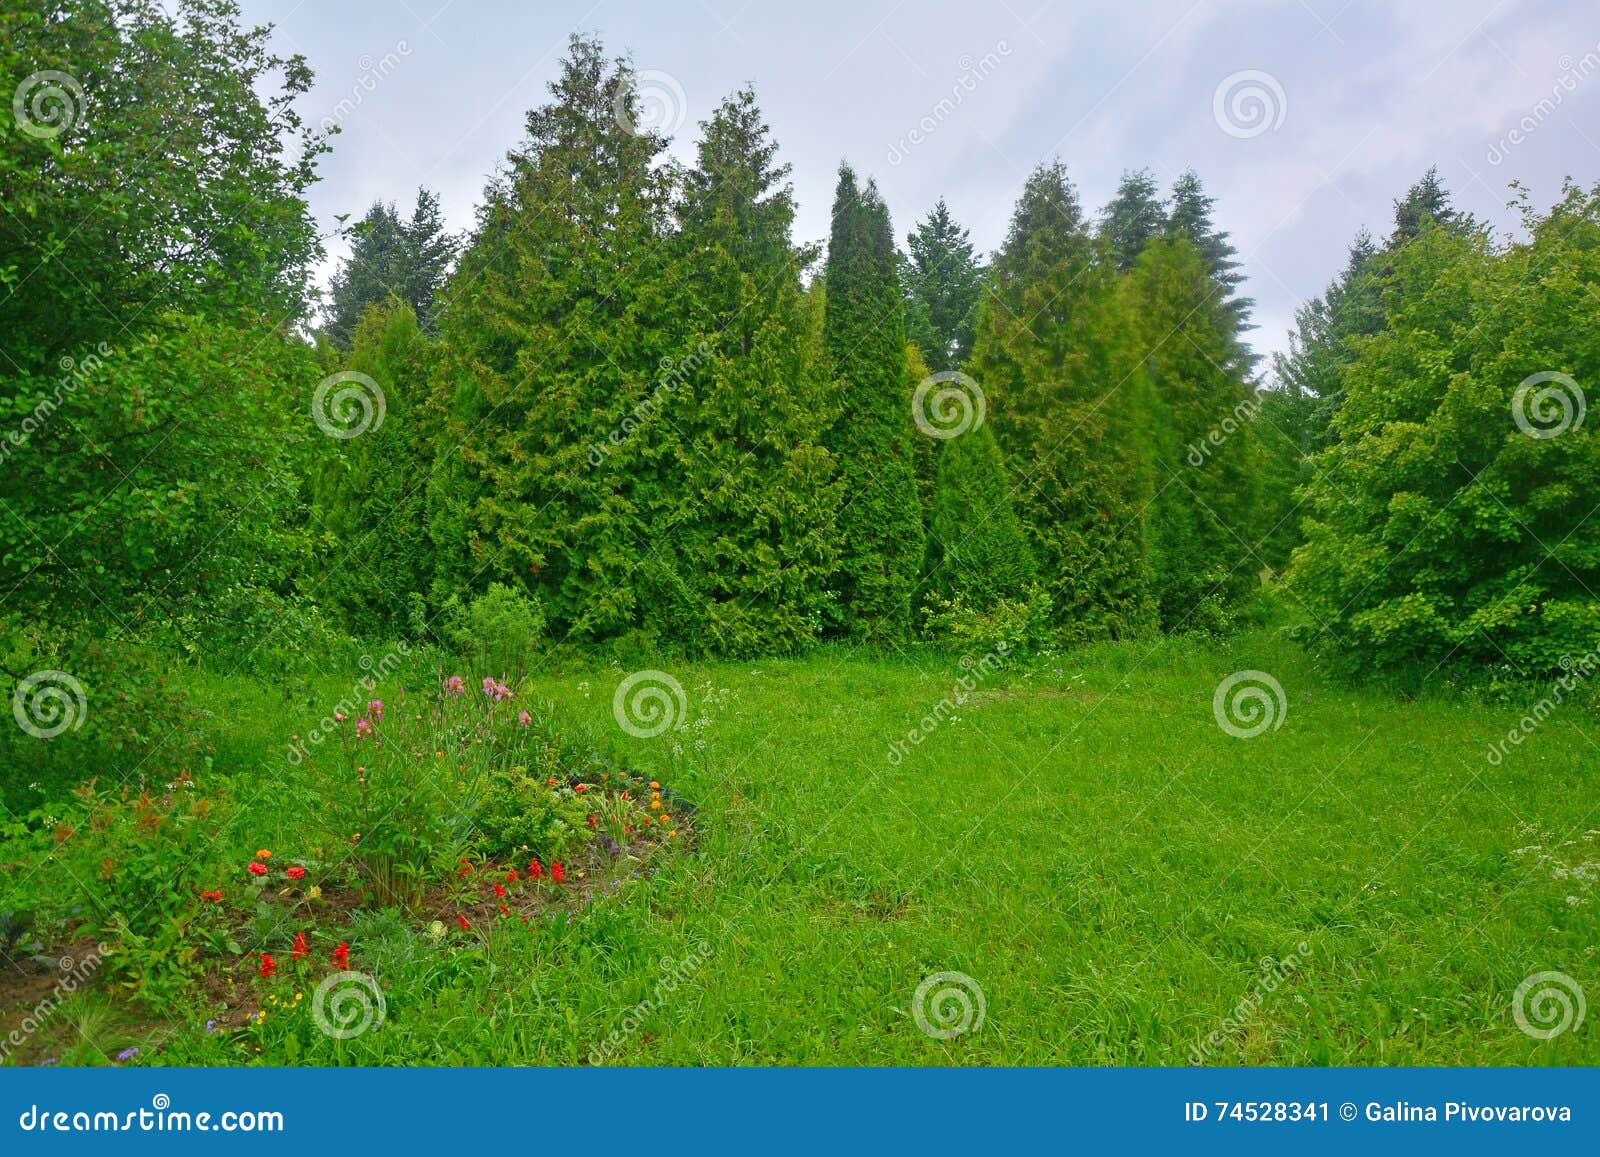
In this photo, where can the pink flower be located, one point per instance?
(489, 685)
(338, 716)
(501, 691)
(524, 719)
(375, 709)
(363, 727)
(454, 686)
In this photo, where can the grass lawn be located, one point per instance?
(1120, 880)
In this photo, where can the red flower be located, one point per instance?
(581, 788)
(269, 966)
(295, 872)
(212, 896)
(257, 868)
(465, 868)
(463, 922)
(503, 911)
(512, 877)
(552, 781)
(591, 821)
(500, 891)
(341, 955)
(558, 874)
(535, 870)
(300, 946)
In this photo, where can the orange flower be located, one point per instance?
(653, 783)
(263, 854)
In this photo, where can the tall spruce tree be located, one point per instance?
(1053, 358)
(943, 282)
(880, 526)
(1189, 214)
(557, 472)
(391, 259)
(758, 532)
(1133, 218)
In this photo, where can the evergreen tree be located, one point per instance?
(943, 282)
(1189, 213)
(391, 258)
(367, 493)
(758, 535)
(977, 549)
(1427, 200)
(880, 528)
(1134, 218)
(558, 472)
(1203, 521)
(1063, 392)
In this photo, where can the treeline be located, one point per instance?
(630, 405)
(636, 398)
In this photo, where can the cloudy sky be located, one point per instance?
(1305, 118)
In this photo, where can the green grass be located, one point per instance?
(1081, 839)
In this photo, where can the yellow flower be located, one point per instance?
(653, 783)
(673, 832)
(316, 892)
(263, 854)
(655, 805)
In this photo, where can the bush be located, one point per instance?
(497, 631)
(1020, 625)
(1451, 519)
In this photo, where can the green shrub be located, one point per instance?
(498, 631)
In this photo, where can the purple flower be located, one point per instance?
(128, 1054)
(211, 1026)
(48, 1061)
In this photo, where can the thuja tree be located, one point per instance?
(556, 325)
(977, 550)
(370, 493)
(752, 402)
(1204, 520)
(880, 527)
(1450, 517)
(1064, 395)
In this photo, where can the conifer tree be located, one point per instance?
(1203, 521)
(758, 532)
(1052, 358)
(1134, 218)
(977, 550)
(943, 282)
(389, 259)
(880, 527)
(1189, 214)
(557, 474)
